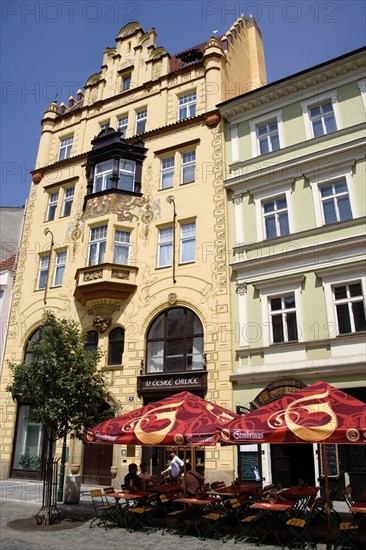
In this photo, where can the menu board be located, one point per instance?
(250, 467)
(332, 460)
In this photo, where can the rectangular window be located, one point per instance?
(165, 247)
(350, 307)
(167, 173)
(187, 106)
(275, 215)
(126, 82)
(141, 117)
(97, 245)
(268, 137)
(188, 242)
(52, 205)
(68, 200)
(104, 126)
(322, 118)
(122, 124)
(188, 166)
(126, 180)
(65, 148)
(283, 318)
(59, 268)
(122, 242)
(335, 202)
(102, 176)
(44, 264)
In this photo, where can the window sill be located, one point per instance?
(111, 368)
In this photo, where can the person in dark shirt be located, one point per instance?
(133, 482)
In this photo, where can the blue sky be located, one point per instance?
(51, 47)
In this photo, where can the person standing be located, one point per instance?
(174, 467)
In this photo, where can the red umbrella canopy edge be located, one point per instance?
(318, 413)
(180, 419)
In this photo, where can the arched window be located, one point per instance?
(34, 337)
(91, 342)
(175, 342)
(116, 345)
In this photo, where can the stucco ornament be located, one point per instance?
(172, 298)
(101, 323)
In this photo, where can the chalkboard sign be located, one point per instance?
(250, 467)
(332, 460)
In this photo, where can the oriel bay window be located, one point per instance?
(118, 170)
(114, 165)
(175, 342)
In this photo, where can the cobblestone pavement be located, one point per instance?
(23, 500)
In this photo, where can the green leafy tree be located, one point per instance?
(62, 384)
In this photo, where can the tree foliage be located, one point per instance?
(61, 382)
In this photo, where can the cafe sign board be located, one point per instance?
(172, 382)
(275, 390)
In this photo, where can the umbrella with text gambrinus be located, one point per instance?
(180, 419)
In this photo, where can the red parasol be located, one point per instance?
(318, 413)
(180, 419)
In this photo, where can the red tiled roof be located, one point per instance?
(9, 263)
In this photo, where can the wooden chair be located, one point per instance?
(171, 516)
(106, 514)
(223, 521)
(298, 527)
(143, 516)
(347, 534)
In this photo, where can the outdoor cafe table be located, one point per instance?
(275, 515)
(302, 496)
(125, 496)
(359, 507)
(233, 491)
(201, 505)
(165, 488)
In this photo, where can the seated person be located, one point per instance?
(193, 481)
(132, 481)
(147, 479)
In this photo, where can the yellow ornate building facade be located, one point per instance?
(125, 232)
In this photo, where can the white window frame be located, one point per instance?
(253, 124)
(60, 265)
(312, 102)
(165, 240)
(186, 104)
(122, 240)
(64, 151)
(141, 116)
(167, 167)
(187, 240)
(188, 164)
(104, 125)
(122, 127)
(44, 266)
(98, 241)
(362, 86)
(259, 198)
(104, 174)
(52, 206)
(273, 289)
(69, 194)
(338, 276)
(330, 176)
(275, 214)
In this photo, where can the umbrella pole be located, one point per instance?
(185, 470)
(326, 482)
